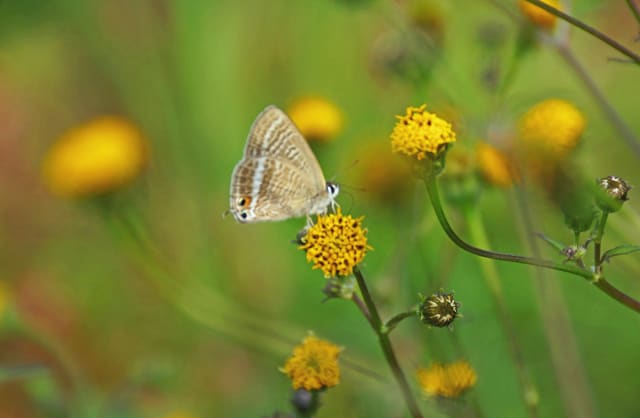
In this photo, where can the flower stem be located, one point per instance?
(385, 344)
(592, 31)
(634, 9)
(614, 118)
(396, 319)
(609, 289)
(597, 240)
(434, 195)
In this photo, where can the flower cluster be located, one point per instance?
(336, 244)
(419, 133)
(97, 157)
(447, 380)
(314, 364)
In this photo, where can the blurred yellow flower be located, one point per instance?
(539, 16)
(314, 364)
(96, 157)
(447, 380)
(316, 118)
(384, 176)
(419, 133)
(551, 129)
(494, 166)
(336, 244)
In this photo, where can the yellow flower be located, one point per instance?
(419, 133)
(551, 129)
(539, 16)
(96, 157)
(336, 244)
(447, 380)
(493, 165)
(316, 118)
(314, 364)
(385, 177)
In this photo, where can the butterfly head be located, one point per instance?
(241, 209)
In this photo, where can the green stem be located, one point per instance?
(492, 279)
(592, 31)
(614, 118)
(396, 319)
(432, 190)
(385, 344)
(598, 243)
(434, 195)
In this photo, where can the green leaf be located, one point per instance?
(620, 250)
(555, 244)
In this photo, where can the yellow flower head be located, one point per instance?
(447, 380)
(94, 158)
(494, 166)
(551, 129)
(314, 364)
(316, 118)
(539, 16)
(419, 133)
(336, 244)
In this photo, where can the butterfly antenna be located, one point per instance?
(226, 213)
(349, 167)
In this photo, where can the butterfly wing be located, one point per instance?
(271, 189)
(274, 135)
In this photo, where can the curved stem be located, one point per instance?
(634, 9)
(396, 319)
(592, 31)
(606, 287)
(434, 195)
(385, 344)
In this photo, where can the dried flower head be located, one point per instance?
(447, 380)
(537, 15)
(97, 157)
(439, 309)
(494, 166)
(551, 129)
(314, 364)
(316, 118)
(336, 244)
(419, 134)
(612, 193)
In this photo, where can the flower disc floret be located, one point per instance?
(336, 244)
(314, 364)
(420, 133)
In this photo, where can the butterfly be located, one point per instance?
(278, 176)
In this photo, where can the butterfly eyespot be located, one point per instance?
(243, 215)
(244, 201)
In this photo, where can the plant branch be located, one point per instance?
(590, 30)
(385, 344)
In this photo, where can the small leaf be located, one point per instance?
(555, 244)
(620, 250)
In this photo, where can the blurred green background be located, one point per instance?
(94, 326)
